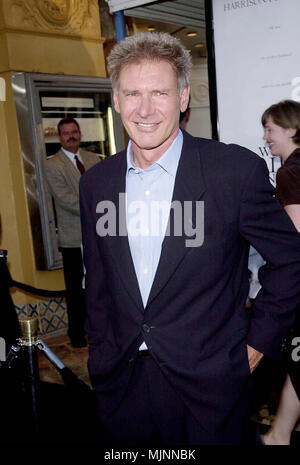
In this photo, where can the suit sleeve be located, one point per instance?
(97, 300)
(63, 195)
(265, 224)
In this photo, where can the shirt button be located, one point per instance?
(136, 171)
(147, 193)
(145, 270)
(146, 328)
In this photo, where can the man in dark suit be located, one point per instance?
(172, 345)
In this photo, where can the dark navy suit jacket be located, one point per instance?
(195, 322)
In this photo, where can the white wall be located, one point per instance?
(199, 124)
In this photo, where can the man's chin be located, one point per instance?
(151, 144)
(73, 148)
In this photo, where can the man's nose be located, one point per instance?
(145, 107)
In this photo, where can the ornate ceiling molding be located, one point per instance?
(73, 17)
(55, 12)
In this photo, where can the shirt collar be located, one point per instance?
(168, 161)
(70, 154)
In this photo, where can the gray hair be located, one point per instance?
(155, 46)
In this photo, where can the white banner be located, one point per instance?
(257, 57)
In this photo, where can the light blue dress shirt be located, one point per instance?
(146, 219)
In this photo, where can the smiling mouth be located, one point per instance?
(146, 125)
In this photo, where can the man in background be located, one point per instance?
(63, 171)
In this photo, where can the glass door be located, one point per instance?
(42, 100)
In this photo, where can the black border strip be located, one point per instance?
(211, 67)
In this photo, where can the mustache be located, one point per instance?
(72, 139)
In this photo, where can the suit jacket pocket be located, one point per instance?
(102, 360)
(238, 355)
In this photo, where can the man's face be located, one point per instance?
(149, 104)
(70, 137)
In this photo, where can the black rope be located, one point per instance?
(8, 282)
(36, 291)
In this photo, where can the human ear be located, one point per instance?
(184, 98)
(291, 132)
(116, 102)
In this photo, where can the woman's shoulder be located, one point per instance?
(288, 181)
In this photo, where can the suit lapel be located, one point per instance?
(189, 186)
(86, 159)
(70, 168)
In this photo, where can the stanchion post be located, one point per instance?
(29, 329)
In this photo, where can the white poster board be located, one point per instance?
(257, 59)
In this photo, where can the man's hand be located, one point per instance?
(254, 357)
